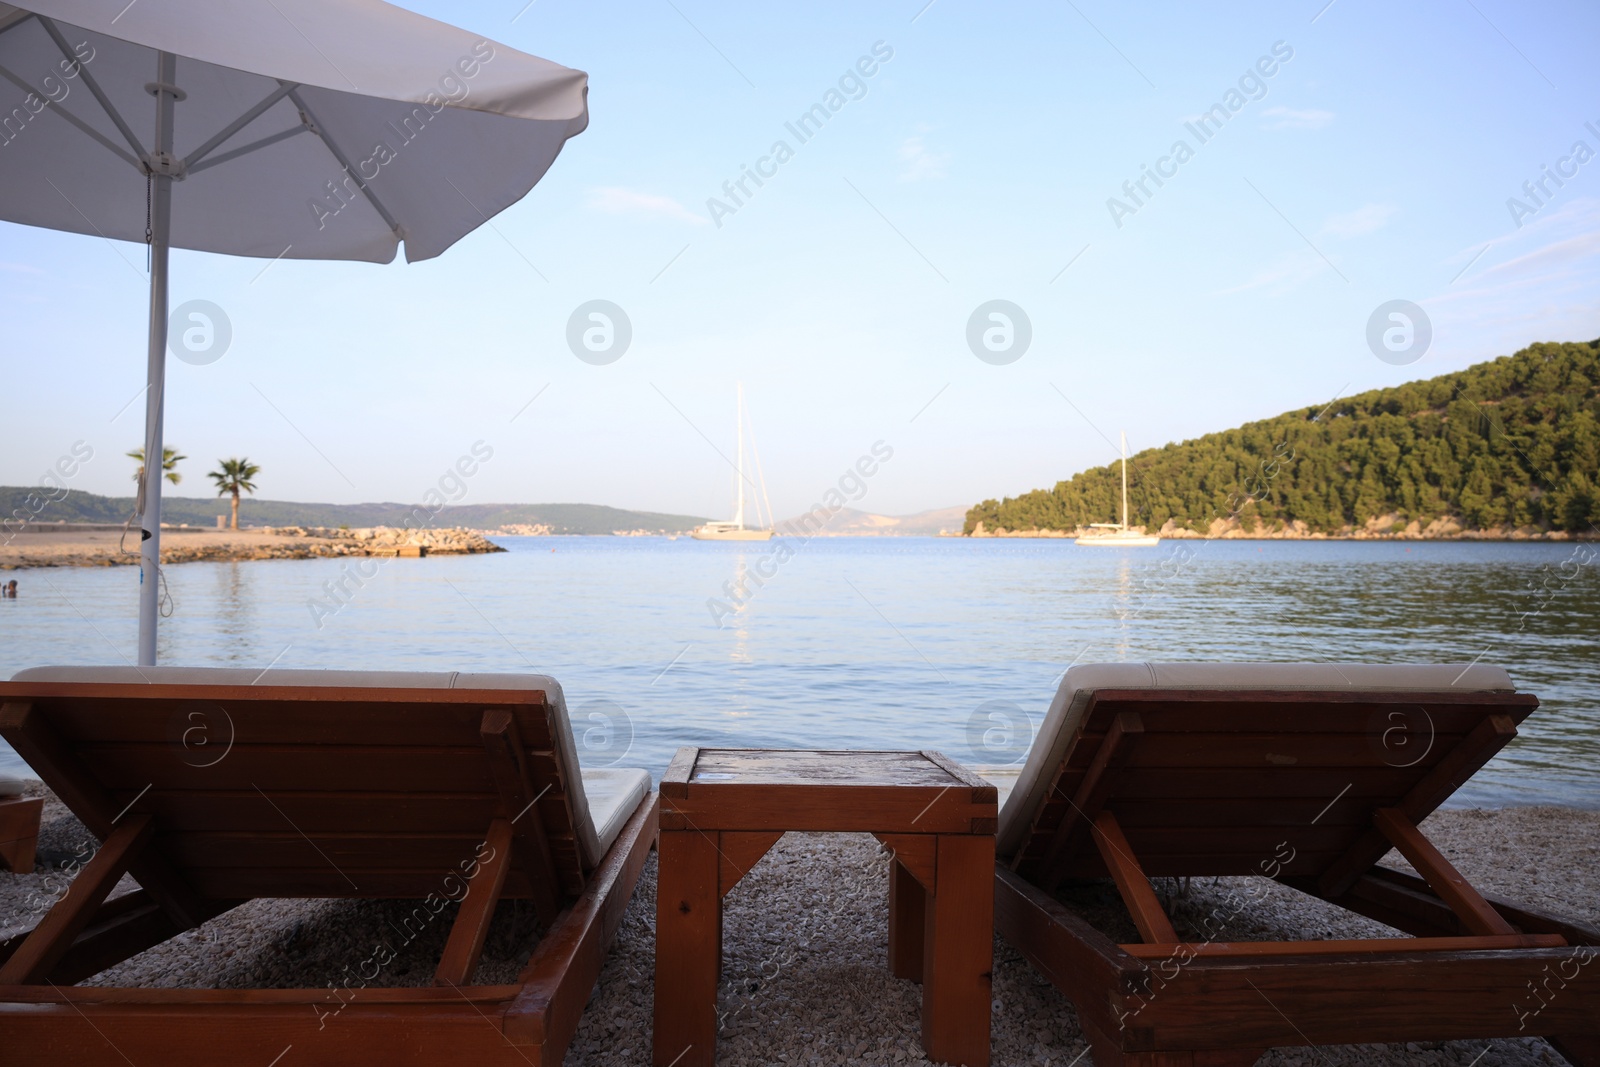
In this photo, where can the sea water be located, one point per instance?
(898, 643)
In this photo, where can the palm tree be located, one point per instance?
(233, 475)
(169, 461)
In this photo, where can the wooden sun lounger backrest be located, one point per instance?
(1275, 782)
(284, 791)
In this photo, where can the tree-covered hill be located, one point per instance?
(22, 503)
(1512, 442)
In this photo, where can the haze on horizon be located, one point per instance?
(989, 155)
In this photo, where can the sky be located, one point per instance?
(984, 159)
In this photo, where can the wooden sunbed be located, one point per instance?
(428, 787)
(1308, 774)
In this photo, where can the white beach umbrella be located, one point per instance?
(295, 129)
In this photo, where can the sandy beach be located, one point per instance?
(805, 977)
(107, 547)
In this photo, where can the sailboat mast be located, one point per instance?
(1124, 479)
(738, 514)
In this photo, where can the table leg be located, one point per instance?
(19, 833)
(688, 950)
(908, 905)
(959, 952)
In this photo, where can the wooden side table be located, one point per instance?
(722, 809)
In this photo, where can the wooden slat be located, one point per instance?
(1367, 946)
(1187, 700)
(1449, 774)
(1090, 794)
(239, 883)
(675, 782)
(843, 808)
(353, 851)
(1199, 864)
(1148, 915)
(318, 695)
(1269, 784)
(1248, 751)
(1352, 812)
(183, 813)
(738, 852)
(464, 947)
(983, 790)
(1156, 841)
(175, 1001)
(372, 1028)
(1311, 717)
(55, 933)
(519, 798)
(917, 853)
(1384, 997)
(276, 768)
(1475, 912)
(268, 721)
(36, 741)
(822, 767)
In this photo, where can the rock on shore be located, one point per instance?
(1379, 528)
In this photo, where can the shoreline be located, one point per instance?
(98, 545)
(1382, 528)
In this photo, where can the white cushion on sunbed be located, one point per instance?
(1080, 682)
(10, 784)
(588, 825)
(614, 794)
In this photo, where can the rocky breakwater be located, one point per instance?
(386, 541)
(65, 545)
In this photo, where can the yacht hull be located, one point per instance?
(700, 533)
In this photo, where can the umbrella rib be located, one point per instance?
(94, 86)
(270, 139)
(372, 198)
(283, 90)
(84, 127)
(17, 18)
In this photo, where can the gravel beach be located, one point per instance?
(805, 977)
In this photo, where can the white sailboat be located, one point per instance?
(1121, 536)
(736, 530)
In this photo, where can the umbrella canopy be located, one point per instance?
(308, 129)
(297, 129)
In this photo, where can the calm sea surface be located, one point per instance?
(873, 643)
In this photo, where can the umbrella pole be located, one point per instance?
(155, 395)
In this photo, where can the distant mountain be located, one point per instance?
(203, 511)
(849, 522)
(1508, 445)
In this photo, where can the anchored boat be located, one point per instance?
(736, 530)
(1120, 536)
